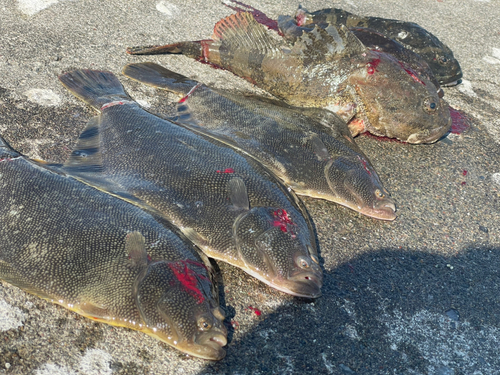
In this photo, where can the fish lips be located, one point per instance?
(209, 345)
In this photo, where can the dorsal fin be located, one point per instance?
(238, 194)
(86, 157)
(241, 30)
(323, 42)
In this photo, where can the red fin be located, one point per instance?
(259, 16)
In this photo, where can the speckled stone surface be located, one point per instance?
(419, 295)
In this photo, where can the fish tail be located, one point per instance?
(157, 76)
(191, 49)
(4, 144)
(94, 87)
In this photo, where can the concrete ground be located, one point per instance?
(419, 295)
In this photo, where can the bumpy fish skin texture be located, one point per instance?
(104, 258)
(231, 207)
(439, 56)
(325, 67)
(314, 155)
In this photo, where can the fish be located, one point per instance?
(328, 68)
(313, 154)
(438, 56)
(104, 258)
(231, 207)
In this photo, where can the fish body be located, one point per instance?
(104, 258)
(313, 154)
(325, 67)
(439, 56)
(234, 209)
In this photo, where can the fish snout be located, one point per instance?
(306, 283)
(209, 345)
(385, 208)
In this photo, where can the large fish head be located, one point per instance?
(356, 185)
(437, 54)
(395, 102)
(275, 247)
(175, 302)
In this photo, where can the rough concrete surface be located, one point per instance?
(419, 295)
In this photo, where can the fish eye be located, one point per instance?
(379, 194)
(430, 106)
(303, 262)
(442, 60)
(204, 324)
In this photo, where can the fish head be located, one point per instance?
(395, 102)
(437, 54)
(355, 184)
(276, 247)
(175, 302)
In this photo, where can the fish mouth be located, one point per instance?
(305, 284)
(430, 136)
(383, 209)
(452, 82)
(209, 345)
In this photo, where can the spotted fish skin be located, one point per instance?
(325, 67)
(439, 56)
(313, 154)
(103, 258)
(234, 209)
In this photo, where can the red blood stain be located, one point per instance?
(190, 92)
(365, 164)
(283, 221)
(371, 67)
(411, 73)
(188, 278)
(460, 122)
(300, 18)
(255, 310)
(259, 16)
(227, 170)
(464, 172)
(463, 183)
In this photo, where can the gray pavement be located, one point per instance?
(419, 295)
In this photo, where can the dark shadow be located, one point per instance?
(390, 311)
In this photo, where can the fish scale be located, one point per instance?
(310, 150)
(103, 258)
(206, 189)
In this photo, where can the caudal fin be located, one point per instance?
(157, 76)
(94, 87)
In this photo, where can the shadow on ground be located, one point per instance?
(388, 311)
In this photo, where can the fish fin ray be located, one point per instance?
(157, 76)
(192, 49)
(86, 157)
(241, 30)
(94, 87)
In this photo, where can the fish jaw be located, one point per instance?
(397, 103)
(274, 246)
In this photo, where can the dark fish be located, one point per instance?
(103, 258)
(231, 207)
(313, 159)
(439, 56)
(325, 67)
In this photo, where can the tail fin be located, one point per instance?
(94, 87)
(4, 144)
(191, 49)
(6, 151)
(157, 76)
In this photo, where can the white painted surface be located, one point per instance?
(10, 317)
(43, 97)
